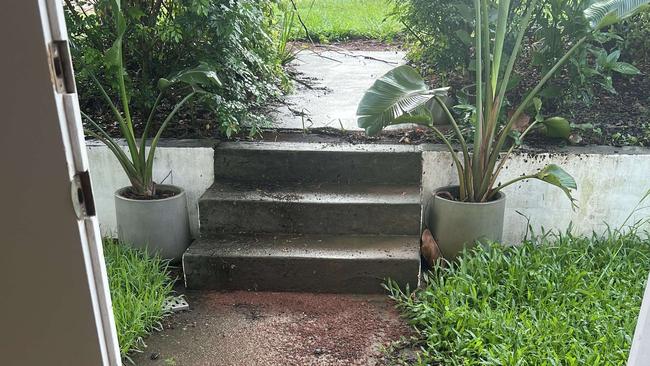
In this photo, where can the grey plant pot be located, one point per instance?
(456, 225)
(160, 226)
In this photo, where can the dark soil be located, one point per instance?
(161, 193)
(618, 119)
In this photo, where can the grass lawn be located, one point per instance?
(336, 20)
(561, 301)
(139, 287)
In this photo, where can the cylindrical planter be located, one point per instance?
(456, 225)
(160, 225)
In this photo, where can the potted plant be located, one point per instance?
(149, 215)
(477, 203)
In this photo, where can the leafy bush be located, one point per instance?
(139, 287)
(441, 41)
(566, 301)
(438, 32)
(636, 44)
(232, 36)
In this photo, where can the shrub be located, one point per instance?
(570, 301)
(438, 32)
(232, 36)
(139, 287)
(636, 44)
(441, 42)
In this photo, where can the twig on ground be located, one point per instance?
(343, 51)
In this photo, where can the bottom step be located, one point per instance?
(302, 263)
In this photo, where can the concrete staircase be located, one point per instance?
(310, 217)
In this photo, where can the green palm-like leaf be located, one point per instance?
(202, 75)
(398, 93)
(604, 13)
(558, 177)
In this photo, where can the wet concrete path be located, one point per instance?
(263, 328)
(330, 85)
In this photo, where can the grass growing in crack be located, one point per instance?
(562, 300)
(139, 287)
(339, 20)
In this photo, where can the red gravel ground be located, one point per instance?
(258, 328)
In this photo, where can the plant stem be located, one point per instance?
(459, 167)
(478, 131)
(463, 143)
(487, 179)
(495, 190)
(154, 143)
(508, 127)
(145, 132)
(130, 140)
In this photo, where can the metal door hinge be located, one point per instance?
(61, 67)
(82, 195)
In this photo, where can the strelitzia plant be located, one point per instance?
(137, 161)
(401, 96)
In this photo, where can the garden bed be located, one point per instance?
(615, 119)
(560, 300)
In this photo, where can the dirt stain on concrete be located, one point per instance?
(265, 328)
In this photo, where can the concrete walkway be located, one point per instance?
(264, 328)
(330, 85)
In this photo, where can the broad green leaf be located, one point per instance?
(604, 13)
(401, 91)
(120, 22)
(537, 103)
(420, 119)
(556, 127)
(135, 12)
(203, 75)
(613, 57)
(625, 68)
(113, 56)
(464, 36)
(553, 174)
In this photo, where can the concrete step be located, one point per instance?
(310, 263)
(318, 162)
(326, 208)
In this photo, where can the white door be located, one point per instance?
(640, 352)
(54, 302)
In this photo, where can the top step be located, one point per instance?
(318, 162)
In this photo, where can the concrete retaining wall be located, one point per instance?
(610, 183)
(188, 164)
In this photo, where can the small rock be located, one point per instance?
(575, 139)
(318, 351)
